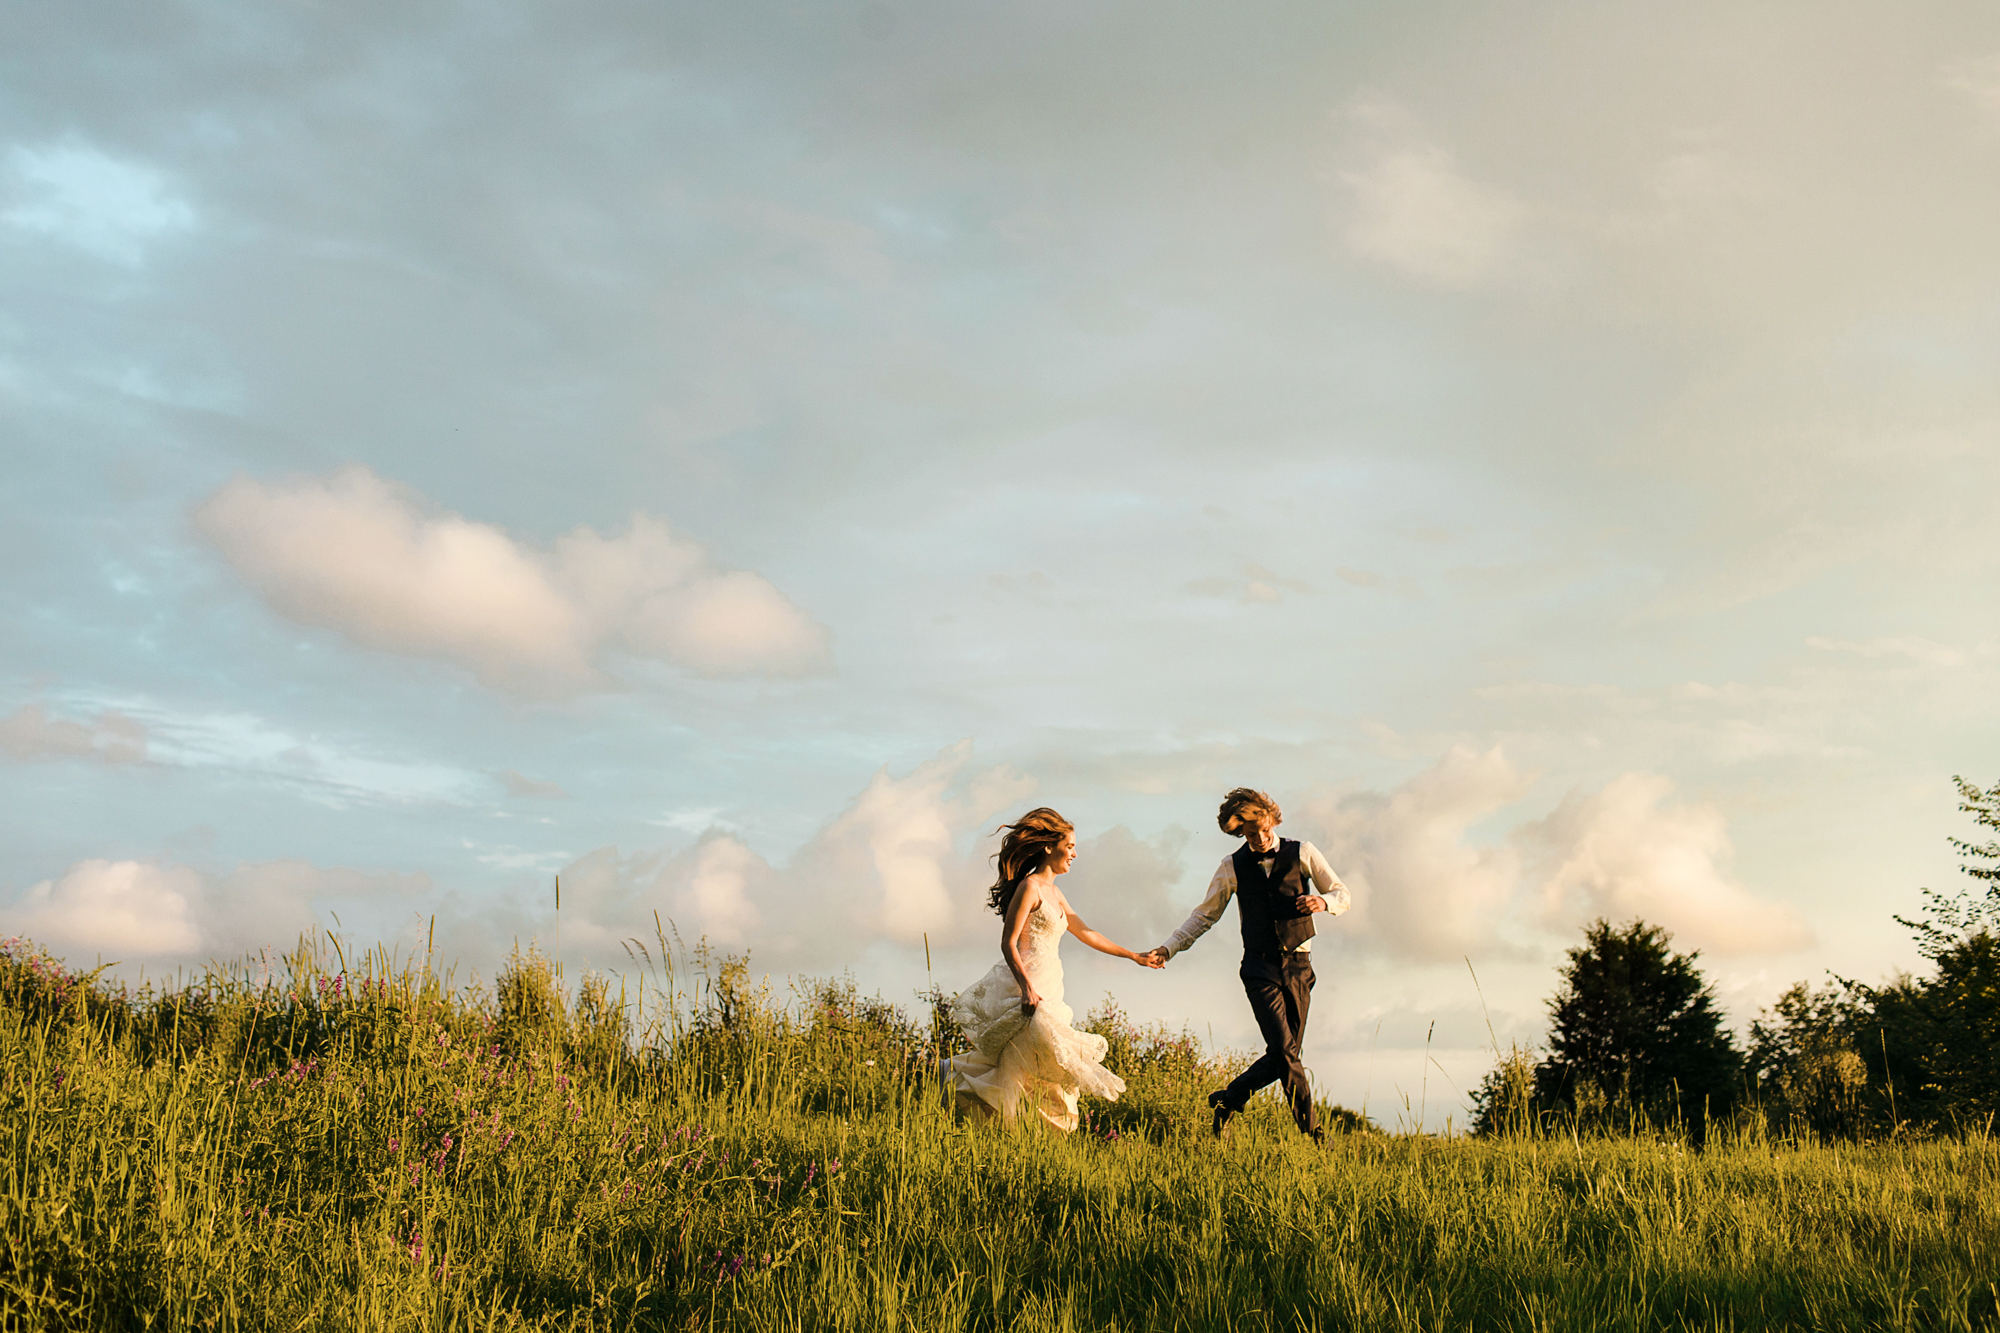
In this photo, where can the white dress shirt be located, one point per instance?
(1223, 887)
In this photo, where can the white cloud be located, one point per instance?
(890, 867)
(717, 890)
(1414, 209)
(904, 861)
(1121, 884)
(1420, 890)
(1626, 850)
(359, 555)
(80, 196)
(1917, 650)
(126, 909)
(30, 733)
(145, 911)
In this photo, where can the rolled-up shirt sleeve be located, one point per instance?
(1325, 882)
(1209, 911)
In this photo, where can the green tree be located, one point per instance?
(1937, 1038)
(1805, 1064)
(1636, 1035)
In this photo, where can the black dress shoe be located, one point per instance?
(1220, 1106)
(1318, 1136)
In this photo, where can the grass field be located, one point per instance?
(359, 1147)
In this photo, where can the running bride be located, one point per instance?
(1023, 1047)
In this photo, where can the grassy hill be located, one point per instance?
(368, 1147)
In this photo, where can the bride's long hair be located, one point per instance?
(1030, 844)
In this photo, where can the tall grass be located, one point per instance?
(368, 1146)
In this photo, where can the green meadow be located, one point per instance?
(352, 1144)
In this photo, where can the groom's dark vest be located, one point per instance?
(1271, 924)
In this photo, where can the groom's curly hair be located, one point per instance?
(1031, 840)
(1243, 803)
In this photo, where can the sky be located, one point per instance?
(734, 457)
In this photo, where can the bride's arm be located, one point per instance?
(1079, 928)
(1026, 899)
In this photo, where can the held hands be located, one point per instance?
(1155, 959)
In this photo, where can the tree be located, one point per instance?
(1805, 1063)
(1637, 1034)
(1939, 1036)
(1960, 916)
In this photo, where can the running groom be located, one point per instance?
(1278, 885)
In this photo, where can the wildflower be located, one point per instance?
(395, 1144)
(420, 1112)
(833, 1166)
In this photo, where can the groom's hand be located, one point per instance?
(1311, 902)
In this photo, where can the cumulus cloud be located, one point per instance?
(146, 911)
(894, 864)
(1421, 890)
(1424, 892)
(1413, 208)
(904, 861)
(1121, 884)
(121, 908)
(364, 557)
(1628, 850)
(30, 733)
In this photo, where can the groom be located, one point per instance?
(1278, 885)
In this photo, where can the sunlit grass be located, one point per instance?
(372, 1149)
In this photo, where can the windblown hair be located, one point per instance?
(1030, 844)
(1242, 803)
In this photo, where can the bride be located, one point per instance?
(1023, 1047)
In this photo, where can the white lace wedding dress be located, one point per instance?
(1041, 1062)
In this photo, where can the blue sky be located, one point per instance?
(734, 458)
